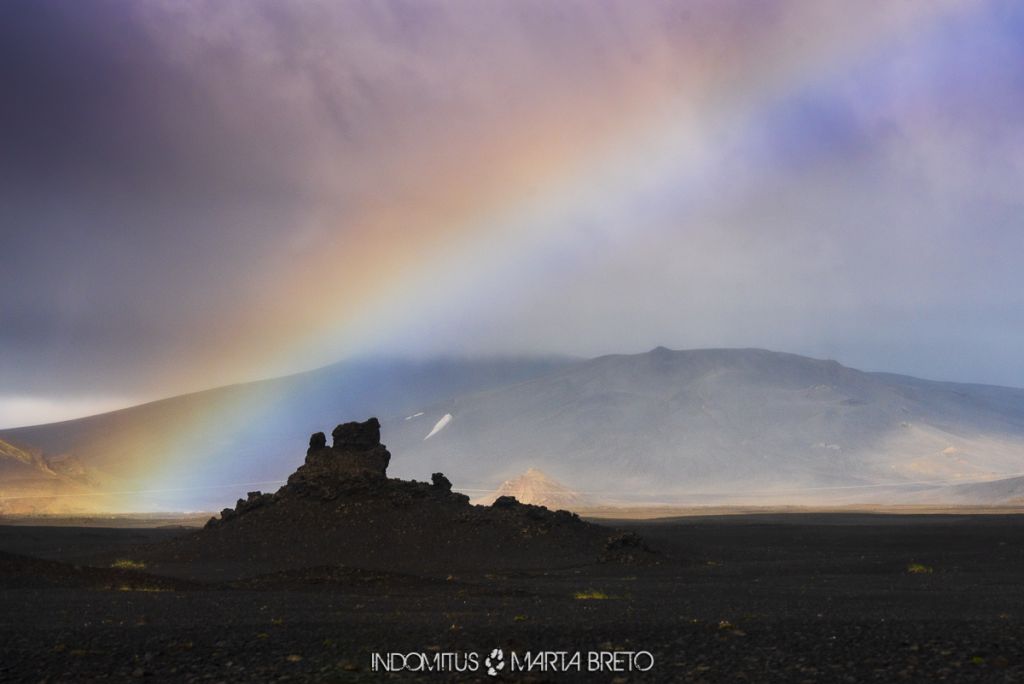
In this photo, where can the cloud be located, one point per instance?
(204, 192)
(27, 410)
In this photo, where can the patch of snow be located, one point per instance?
(415, 415)
(439, 425)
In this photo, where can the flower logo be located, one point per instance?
(495, 662)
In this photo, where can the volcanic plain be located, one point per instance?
(343, 566)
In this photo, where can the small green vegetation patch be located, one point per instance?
(591, 595)
(918, 569)
(126, 564)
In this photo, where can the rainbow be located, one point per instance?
(488, 210)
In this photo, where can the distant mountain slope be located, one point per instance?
(537, 488)
(176, 453)
(30, 483)
(1003, 492)
(708, 426)
(728, 424)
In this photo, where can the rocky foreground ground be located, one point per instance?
(347, 575)
(815, 598)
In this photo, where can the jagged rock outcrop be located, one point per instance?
(317, 440)
(340, 507)
(356, 452)
(356, 436)
(355, 463)
(253, 501)
(440, 481)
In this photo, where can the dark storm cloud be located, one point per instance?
(117, 179)
(159, 159)
(177, 179)
(92, 105)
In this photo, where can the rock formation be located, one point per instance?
(356, 452)
(439, 480)
(340, 507)
(357, 437)
(356, 463)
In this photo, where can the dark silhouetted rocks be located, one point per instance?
(340, 507)
(626, 547)
(357, 436)
(356, 453)
(440, 481)
(317, 440)
(253, 501)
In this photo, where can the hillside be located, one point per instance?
(537, 488)
(723, 426)
(188, 452)
(690, 427)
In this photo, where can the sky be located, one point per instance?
(199, 193)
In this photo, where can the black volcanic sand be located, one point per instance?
(786, 598)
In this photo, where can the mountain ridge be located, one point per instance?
(623, 427)
(696, 383)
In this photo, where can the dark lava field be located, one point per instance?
(769, 598)
(345, 574)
